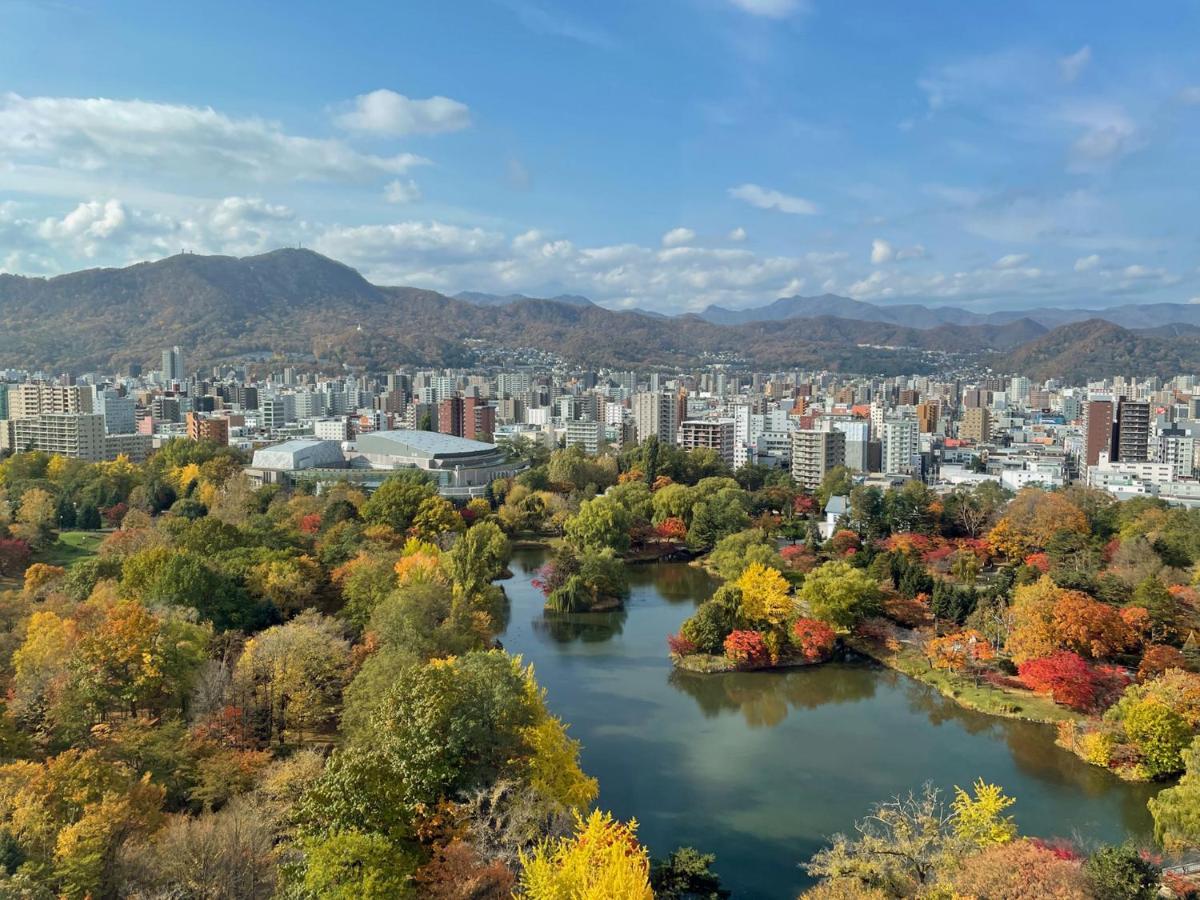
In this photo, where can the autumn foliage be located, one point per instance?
(1066, 677)
(747, 648)
(959, 650)
(814, 638)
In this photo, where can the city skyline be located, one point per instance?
(693, 152)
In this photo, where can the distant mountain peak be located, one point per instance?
(482, 298)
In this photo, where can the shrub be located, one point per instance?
(1096, 747)
(712, 622)
(1065, 676)
(680, 645)
(1021, 870)
(814, 638)
(747, 648)
(1160, 735)
(1121, 873)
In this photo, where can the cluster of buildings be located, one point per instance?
(1125, 436)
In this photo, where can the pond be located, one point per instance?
(759, 768)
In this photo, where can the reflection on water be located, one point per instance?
(563, 628)
(764, 698)
(760, 768)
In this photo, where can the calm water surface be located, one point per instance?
(759, 768)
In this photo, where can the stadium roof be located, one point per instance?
(303, 453)
(425, 444)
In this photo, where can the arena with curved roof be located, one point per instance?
(461, 468)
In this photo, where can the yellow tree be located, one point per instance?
(554, 766)
(979, 817)
(1032, 518)
(765, 596)
(1033, 634)
(602, 860)
(36, 518)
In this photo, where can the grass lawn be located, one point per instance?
(71, 547)
(983, 697)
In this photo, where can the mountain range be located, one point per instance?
(915, 315)
(300, 306)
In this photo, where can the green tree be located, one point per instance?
(713, 518)
(396, 502)
(351, 865)
(1121, 873)
(686, 874)
(478, 558)
(840, 594)
(599, 523)
(734, 552)
(1176, 810)
(837, 482)
(290, 677)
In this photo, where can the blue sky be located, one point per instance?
(662, 153)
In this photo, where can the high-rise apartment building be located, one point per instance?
(714, 434)
(1133, 431)
(586, 434)
(927, 416)
(33, 398)
(207, 428)
(976, 425)
(450, 416)
(172, 365)
(656, 413)
(1177, 448)
(77, 435)
(1097, 430)
(814, 453)
(901, 442)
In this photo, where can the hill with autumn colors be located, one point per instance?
(300, 306)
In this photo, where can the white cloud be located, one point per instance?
(1140, 271)
(881, 252)
(399, 191)
(135, 137)
(1087, 263)
(1108, 134)
(390, 113)
(527, 240)
(916, 251)
(981, 79)
(765, 198)
(1010, 261)
(1072, 66)
(678, 237)
(240, 225)
(433, 242)
(771, 9)
(737, 235)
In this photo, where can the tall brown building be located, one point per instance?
(927, 417)
(467, 417)
(207, 428)
(976, 424)
(450, 416)
(1097, 430)
(479, 419)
